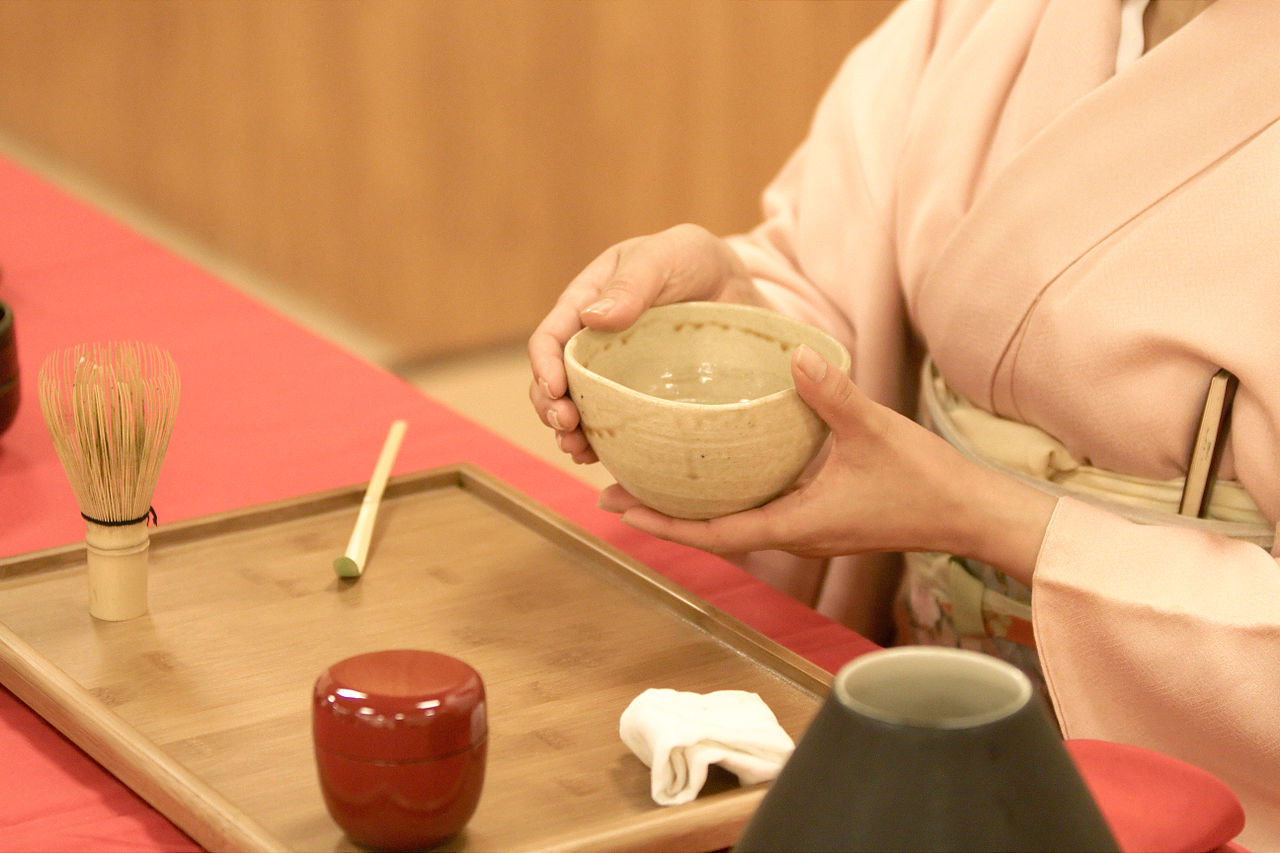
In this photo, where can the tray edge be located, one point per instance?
(215, 822)
(806, 674)
(178, 794)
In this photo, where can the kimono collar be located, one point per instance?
(1076, 153)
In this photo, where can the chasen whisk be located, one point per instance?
(110, 410)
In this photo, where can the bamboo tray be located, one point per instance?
(202, 706)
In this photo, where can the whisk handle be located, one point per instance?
(117, 557)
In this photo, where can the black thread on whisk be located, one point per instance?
(149, 516)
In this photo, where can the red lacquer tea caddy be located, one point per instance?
(400, 742)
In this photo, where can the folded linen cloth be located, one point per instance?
(680, 734)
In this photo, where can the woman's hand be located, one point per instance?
(682, 264)
(886, 484)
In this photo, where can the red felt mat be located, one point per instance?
(271, 411)
(268, 411)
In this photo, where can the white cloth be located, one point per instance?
(680, 734)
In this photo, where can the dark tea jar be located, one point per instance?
(400, 740)
(8, 369)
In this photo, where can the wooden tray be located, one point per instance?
(202, 706)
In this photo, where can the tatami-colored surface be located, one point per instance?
(492, 387)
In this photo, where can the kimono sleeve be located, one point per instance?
(824, 250)
(1166, 638)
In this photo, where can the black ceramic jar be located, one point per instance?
(921, 748)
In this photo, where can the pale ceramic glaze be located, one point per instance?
(693, 409)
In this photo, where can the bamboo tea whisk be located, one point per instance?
(110, 409)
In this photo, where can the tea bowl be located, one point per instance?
(693, 409)
(401, 738)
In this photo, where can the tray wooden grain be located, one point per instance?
(202, 706)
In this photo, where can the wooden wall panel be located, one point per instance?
(431, 171)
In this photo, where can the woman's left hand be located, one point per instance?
(886, 484)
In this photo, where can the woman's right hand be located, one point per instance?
(682, 264)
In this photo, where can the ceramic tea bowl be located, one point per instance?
(693, 409)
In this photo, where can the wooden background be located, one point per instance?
(428, 172)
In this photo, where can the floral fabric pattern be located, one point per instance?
(926, 614)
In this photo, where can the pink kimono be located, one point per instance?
(1079, 249)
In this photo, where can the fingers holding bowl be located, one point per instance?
(575, 444)
(559, 413)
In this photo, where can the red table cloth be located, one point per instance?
(268, 411)
(271, 411)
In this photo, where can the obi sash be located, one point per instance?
(960, 601)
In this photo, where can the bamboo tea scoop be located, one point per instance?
(351, 564)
